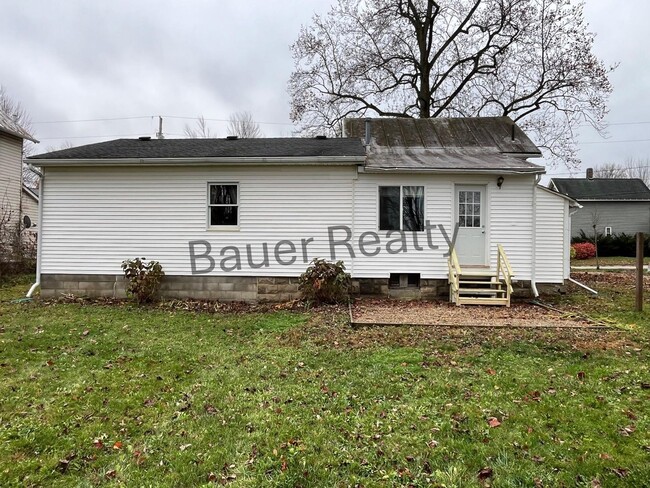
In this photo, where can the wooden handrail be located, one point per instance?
(454, 275)
(504, 268)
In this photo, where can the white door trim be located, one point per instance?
(485, 216)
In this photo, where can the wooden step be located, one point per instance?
(482, 301)
(479, 291)
(463, 282)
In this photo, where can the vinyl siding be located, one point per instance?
(10, 175)
(509, 222)
(627, 217)
(30, 209)
(94, 218)
(550, 238)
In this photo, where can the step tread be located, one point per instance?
(464, 282)
(480, 291)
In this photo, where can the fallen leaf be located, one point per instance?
(117, 445)
(85, 332)
(493, 422)
(98, 444)
(110, 474)
(184, 446)
(581, 375)
(284, 465)
(604, 456)
(63, 465)
(620, 472)
(485, 473)
(490, 371)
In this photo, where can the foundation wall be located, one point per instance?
(244, 288)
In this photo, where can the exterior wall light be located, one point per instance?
(500, 181)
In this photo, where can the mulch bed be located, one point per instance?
(373, 311)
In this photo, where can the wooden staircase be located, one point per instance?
(470, 286)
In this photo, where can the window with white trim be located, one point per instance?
(223, 204)
(608, 231)
(401, 208)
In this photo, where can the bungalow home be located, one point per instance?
(11, 179)
(613, 205)
(425, 207)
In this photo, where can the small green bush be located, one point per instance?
(143, 278)
(573, 253)
(325, 282)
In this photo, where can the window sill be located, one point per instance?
(223, 228)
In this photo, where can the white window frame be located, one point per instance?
(401, 206)
(608, 231)
(210, 205)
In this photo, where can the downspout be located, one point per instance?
(39, 239)
(533, 284)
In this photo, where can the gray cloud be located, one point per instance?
(76, 59)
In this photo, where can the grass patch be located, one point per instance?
(608, 261)
(95, 394)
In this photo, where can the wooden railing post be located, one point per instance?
(639, 272)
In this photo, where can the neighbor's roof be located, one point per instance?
(581, 189)
(8, 125)
(446, 144)
(132, 149)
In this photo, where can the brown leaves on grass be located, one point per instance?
(485, 474)
(494, 422)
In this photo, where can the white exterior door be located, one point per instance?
(470, 217)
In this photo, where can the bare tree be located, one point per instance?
(531, 60)
(631, 168)
(241, 124)
(610, 170)
(19, 115)
(201, 130)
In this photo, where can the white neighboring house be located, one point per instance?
(29, 206)
(240, 219)
(11, 170)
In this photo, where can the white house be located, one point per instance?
(11, 172)
(240, 219)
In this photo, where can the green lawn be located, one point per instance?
(94, 394)
(608, 261)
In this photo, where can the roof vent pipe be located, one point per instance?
(590, 173)
(512, 135)
(367, 131)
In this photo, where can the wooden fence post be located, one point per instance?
(639, 272)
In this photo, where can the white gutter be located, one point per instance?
(318, 160)
(453, 171)
(533, 284)
(39, 239)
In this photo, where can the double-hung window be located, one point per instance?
(401, 208)
(223, 204)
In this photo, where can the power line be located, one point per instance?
(111, 119)
(615, 142)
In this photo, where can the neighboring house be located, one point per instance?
(30, 207)
(11, 169)
(241, 219)
(613, 205)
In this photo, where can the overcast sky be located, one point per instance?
(71, 60)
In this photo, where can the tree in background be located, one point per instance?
(242, 125)
(201, 130)
(19, 114)
(631, 168)
(531, 60)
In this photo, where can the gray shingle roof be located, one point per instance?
(602, 188)
(447, 144)
(211, 148)
(8, 125)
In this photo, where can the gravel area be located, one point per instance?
(520, 314)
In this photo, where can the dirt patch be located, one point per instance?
(520, 314)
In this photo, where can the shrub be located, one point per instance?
(615, 245)
(143, 278)
(573, 253)
(584, 250)
(325, 282)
